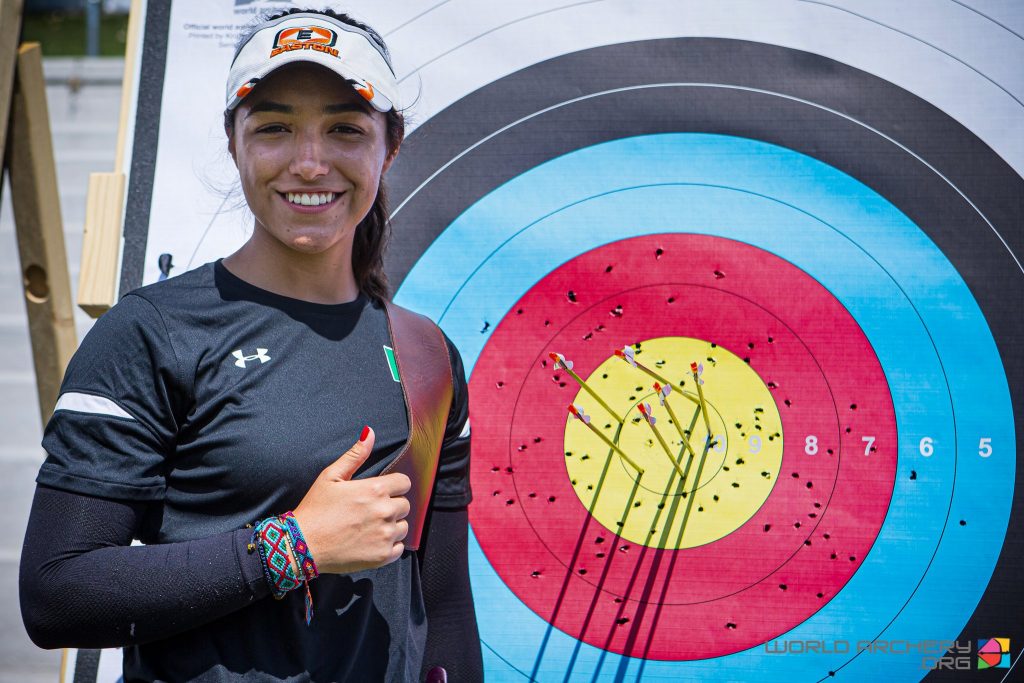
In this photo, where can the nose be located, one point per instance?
(309, 160)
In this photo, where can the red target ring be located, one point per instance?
(779, 566)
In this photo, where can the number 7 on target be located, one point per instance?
(869, 443)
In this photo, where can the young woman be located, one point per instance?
(241, 420)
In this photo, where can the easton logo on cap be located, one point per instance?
(316, 38)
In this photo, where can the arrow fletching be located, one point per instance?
(663, 392)
(578, 413)
(627, 354)
(560, 361)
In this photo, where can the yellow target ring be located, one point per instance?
(734, 472)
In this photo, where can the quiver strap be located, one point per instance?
(424, 367)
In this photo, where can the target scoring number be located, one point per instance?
(926, 447)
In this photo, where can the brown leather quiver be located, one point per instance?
(426, 376)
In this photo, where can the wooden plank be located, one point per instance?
(104, 209)
(10, 36)
(39, 228)
(101, 243)
(131, 63)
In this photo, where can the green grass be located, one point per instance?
(64, 35)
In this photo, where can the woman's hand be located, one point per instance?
(353, 525)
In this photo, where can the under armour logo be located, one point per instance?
(260, 355)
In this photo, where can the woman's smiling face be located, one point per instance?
(310, 153)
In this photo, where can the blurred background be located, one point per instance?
(83, 45)
(77, 28)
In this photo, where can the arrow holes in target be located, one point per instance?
(682, 392)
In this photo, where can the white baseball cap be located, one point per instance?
(346, 50)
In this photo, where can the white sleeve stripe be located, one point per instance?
(88, 403)
(465, 430)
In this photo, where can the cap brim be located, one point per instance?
(346, 50)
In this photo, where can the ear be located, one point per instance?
(389, 159)
(230, 128)
(231, 144)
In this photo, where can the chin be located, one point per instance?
(309, 246)
(312, 242)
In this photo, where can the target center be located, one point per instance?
(638, 437)
(689, 464)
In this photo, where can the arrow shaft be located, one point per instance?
(703, 406)
(664, 447)
(593, 394)
(611, 444)
(679, 428)
(663, 380)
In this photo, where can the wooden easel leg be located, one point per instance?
(10, 36)
(39, 228)
(25, 121)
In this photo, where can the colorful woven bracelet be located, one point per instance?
(303, 557)
(299, 546)
(272, 540)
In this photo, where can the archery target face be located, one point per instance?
(885, 512)
(802, 529)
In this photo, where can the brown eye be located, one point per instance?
(273, 128)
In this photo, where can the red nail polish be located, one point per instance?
(366, 433)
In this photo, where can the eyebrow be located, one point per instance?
(278, 107)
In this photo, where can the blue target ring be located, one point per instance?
(926, 572)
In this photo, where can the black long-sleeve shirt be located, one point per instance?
(82, 585)
(193, 407)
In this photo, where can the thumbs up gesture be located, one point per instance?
(353, 525)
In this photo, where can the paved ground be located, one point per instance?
(84, 122)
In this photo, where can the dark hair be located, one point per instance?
(374, 231)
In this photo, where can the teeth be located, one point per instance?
(315, 199)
